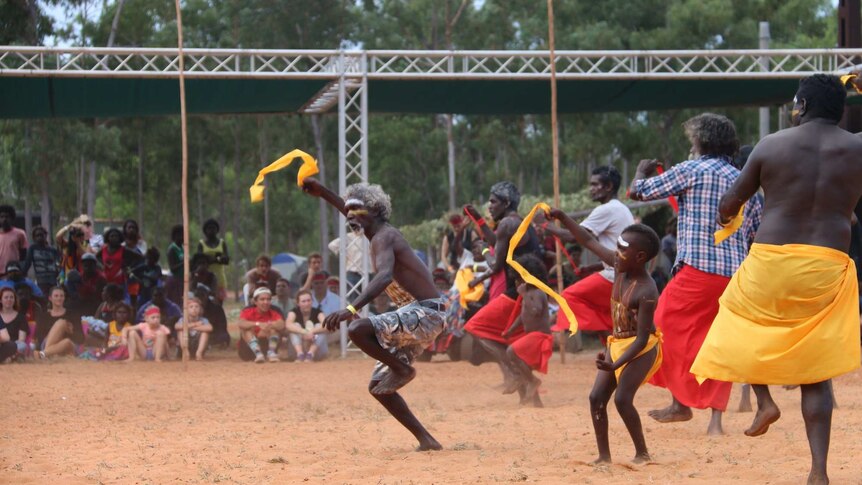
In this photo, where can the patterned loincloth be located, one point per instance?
(407, 331)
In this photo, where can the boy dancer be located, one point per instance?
(533, 350)
(634, 351)
(396, 338)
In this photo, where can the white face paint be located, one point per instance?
(353, 202)
(622, 242)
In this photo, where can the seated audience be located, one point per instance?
(14, 324)
(313, 344)
(199, 329)
(261, 328)
(262, 275)
(147, 340)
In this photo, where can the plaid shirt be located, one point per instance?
(699, 185)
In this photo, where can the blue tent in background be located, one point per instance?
(287, 264)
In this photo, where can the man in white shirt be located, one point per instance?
(590, 298)
(357, 244)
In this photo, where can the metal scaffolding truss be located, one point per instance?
(333, 64)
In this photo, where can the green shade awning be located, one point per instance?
(61, 97)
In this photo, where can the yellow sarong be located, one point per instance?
(619, 346)
(790, 315)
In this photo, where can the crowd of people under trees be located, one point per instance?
(653, 302)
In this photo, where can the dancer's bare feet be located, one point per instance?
(601, 460)
(510, 386)
(674, 413)
(641, 458)
(714, 428)
(429, 444)
(815, 478)
(394, 381)
(763, 419)
(531, 393)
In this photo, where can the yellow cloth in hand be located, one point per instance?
(790, 315)
(618, 346)
(532, 280)
(849, 77)
(731, 227)
(466, 294)
(308, 168)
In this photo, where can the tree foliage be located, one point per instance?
(407, 153)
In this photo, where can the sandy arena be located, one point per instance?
(225, 421)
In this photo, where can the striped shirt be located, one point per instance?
(698, 185)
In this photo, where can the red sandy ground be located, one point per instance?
(68, 421)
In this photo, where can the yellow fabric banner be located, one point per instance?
(466, 294)
(731, 227)
(532, 280)
(308, 168)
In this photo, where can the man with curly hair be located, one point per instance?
(790, 314)
(394, 338)
(702, 269)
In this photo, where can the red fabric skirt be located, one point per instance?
(494, 318)
(535, 349)
(685, 311)
(498, 285)
(590, 301)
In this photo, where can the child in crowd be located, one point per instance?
(44, 259)
(112, 295)
(114, 347)
(199, 328)
(148, 275)
(533, 350)
(633, 354)
(215, 249)
(147, 340)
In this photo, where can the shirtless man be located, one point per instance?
(812, 179)
(396, 338)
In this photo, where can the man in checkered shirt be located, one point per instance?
(702, 269)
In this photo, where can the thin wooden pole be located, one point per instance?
(185, 195)
(556, 154)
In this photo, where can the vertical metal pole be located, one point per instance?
(850, 36)
(363, 161)
(764, 66)
(342, 185)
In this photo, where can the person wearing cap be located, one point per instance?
(261, 328)
(88, 285)
(15, 276)
(13, 241)
(322, 298)
(147, 340)
(332, 284)
(199, 328)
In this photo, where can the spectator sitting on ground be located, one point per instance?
(201, 273)
(147, 340)
(333, 284)
(262, 275)
(199, 328)
(14, 276)
(283, 301)
(148, 275)
(261, 328)
(44, 259)
(89, 288)
(327, 301)
(13, 241)
(72, 249)
(214, 313)
(31, 309)
(312, 345)
(14, 323)
(67, 322)
(112, 295)
(315, 266)
(170, 311)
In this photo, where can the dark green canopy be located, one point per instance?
(59, 97)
